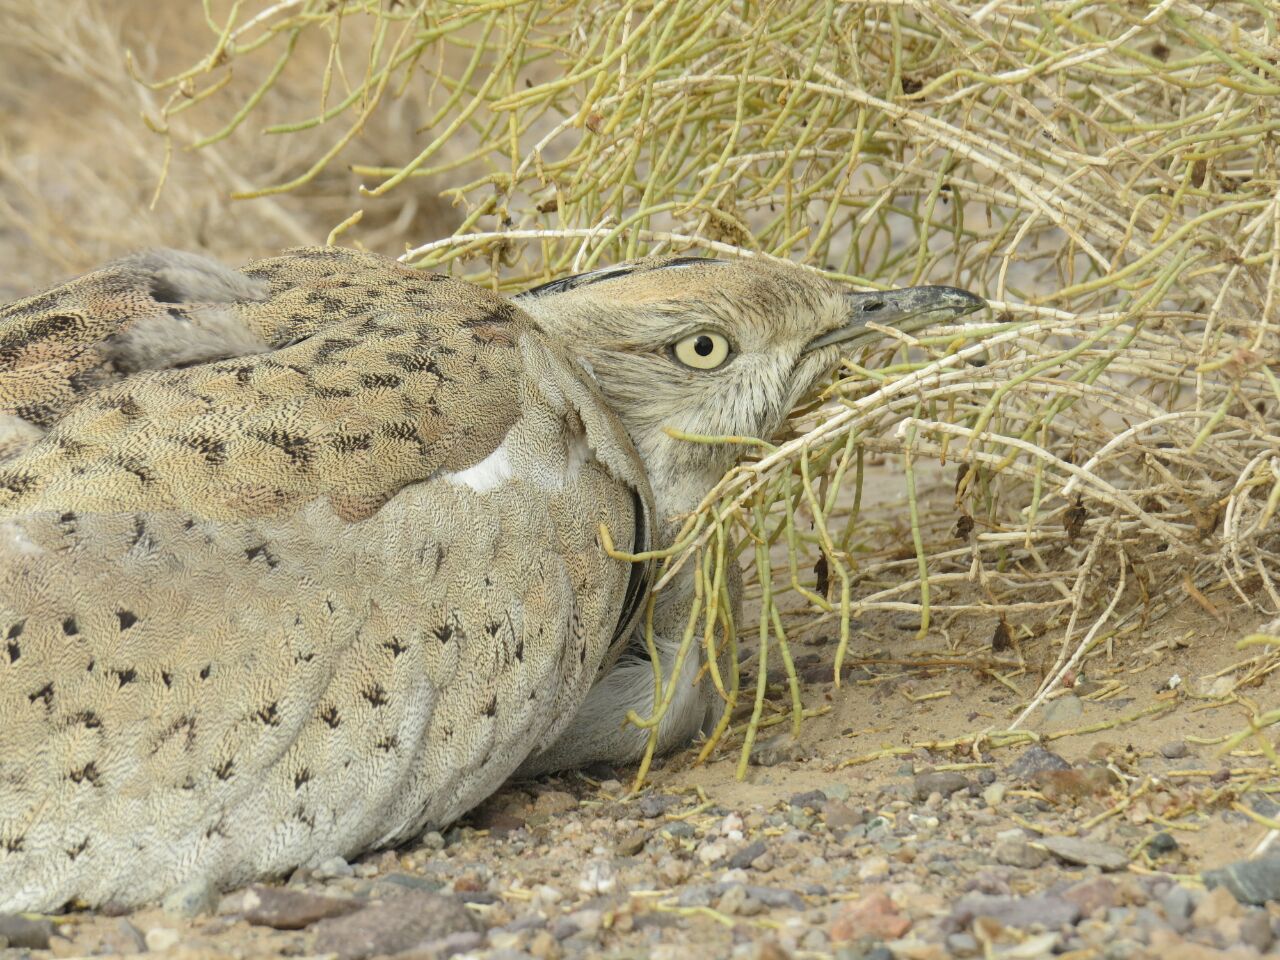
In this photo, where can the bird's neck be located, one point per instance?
(681, 474)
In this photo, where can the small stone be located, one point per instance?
(1064, 712)
(993, 795)
(1177, 906)
(159, 939)
(772, 950)
(1250, 881)
(332, 869)
(963, 945)
(840, 816)
(1098, 893)
(682, 829)
(191, 899)
(432, 840)
(1217, 904)
(698, 895)
(1255, 930)
(1174, 750)
(544, 946)
(839, 792)
(555, 802)
(873, 868)
(499, 823)
(1086, 852)
(1019, 853)
(1161, 844)
(814, 799)
(778, 749)
(1075, 785)
(736, 901)
(874, 916)
(395, 883)
(588, 920)
(283, 909)
(654, 805)
(713, 852)
(21, 933)
(444, 948)
(815, 940)
(632, 843)
(748, 855)
(1021, 912)
(392, 926)
(776, 899)
(598, 877)
(945, 783)
(1036, 759)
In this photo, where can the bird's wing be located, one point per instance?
(263, 610)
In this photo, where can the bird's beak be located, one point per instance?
(908, 310)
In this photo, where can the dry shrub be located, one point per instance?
(1105, 172)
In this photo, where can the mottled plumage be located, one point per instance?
(298, 560)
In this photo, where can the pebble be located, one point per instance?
(993, 795)
(191, 899)
(333, 869)
(23, 933)
(395, 925)
(841, 816)
(1250, 881)
(713, 852)
(1086, 852)
(555, 802)
(1161, 844)
(1255, 930)
(598, 877)
(874, 916)
(748, 855)
(1217, 904)
(445, 947)
(1063, 712)
(679, 828)
(159, 939)
(1177, 905)
(813, 799)
(736, 901)
(284, 909)
(654, 805)
(1098, 893)
(873, 868)
(1022, 912)
(1174, 750)
(1036, 759)
(781, 748)
(1019, 853)
(944, 783)
(632, 843)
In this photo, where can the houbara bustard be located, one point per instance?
(300, 560)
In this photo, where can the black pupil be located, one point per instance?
(703, 346)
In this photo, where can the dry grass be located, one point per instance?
(1105, 172)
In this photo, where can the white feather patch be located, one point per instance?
(493, 471)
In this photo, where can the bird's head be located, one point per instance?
(716, 347)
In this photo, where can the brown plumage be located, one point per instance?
(298, 560)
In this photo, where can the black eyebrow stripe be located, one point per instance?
(564, 284)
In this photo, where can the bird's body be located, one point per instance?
(300, 560)
(262, 611)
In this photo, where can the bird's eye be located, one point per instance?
(702, 351)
